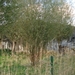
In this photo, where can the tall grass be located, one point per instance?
(20, 64)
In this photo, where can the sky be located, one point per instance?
(72, 4)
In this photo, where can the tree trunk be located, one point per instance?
(34, 55)
(32, 58)
(0, 44)
(13, 47)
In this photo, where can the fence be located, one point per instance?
(53, 64)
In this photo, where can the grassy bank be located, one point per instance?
(20, 65)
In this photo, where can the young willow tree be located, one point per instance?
(35, 23)
(42, 21)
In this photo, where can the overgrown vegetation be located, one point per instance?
(63, 65)
(28, 26)
(32, 24)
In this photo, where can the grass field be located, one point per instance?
(20, 65)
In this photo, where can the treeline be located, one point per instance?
(34, 23)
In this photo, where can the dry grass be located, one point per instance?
(20, 64)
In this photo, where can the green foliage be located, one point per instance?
(30, 24)
(5, 51)
(35, 22)
(65, 32)
(9, 8)
(1, 30)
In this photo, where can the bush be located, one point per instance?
(5, 51)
